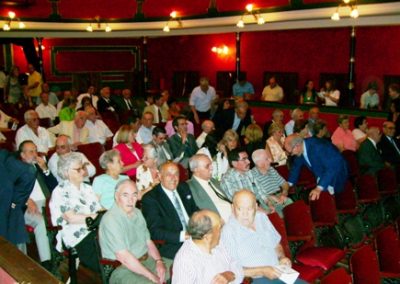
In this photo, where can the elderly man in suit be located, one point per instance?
(126, 103)
(160, 113)
(206, 191)
(161, 146)
(322, 158)
(167, 209)
(368, 155)
(237, 119)
(389, 145)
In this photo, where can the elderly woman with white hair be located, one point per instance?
(147, 174)
(104, 185)
(72, 201)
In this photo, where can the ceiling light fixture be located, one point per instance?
(173, 19)
(223, 50)
(253, 13)
(97, 25)
(351, 4)
(8, 24)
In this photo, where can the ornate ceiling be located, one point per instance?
(129, 18)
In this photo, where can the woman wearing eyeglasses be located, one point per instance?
(72, 201)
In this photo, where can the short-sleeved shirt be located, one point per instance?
(239, 90)
(98, 131)
(119, 231)
(104, 185)
(32, 79)
(43, 141)
(200, 100)
(369, 101)
(344, 138)
(252, 248)
(233, 181)
(269, 183)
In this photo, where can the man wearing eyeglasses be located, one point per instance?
(322, 158)
(389, 145)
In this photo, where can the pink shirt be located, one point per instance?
(171, 131)
(344, 138)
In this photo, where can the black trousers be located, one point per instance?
(87, 252)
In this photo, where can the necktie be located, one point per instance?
(42, 183)
(218, 194)
(159, 115)
(395, 145)
(179, 209)
(166, 154)
(128, 104)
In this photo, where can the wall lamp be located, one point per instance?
(220, 50)
(351, 4)
(173, 19)
(11, 18)
(253, 13)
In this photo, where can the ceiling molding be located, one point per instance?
(370, 15)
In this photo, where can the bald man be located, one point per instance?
(207, 126)
(251, 238)
(98, 130)
(203, 259)
(322, 158)
(368, 155)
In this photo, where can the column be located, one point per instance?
(145, 66)
(40, 57)
(237, 54)
(352, 74)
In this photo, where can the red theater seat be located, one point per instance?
(346, 201)
(388, 247)
(367, 189)
(323, 210)
(93, 152)
(387, 183)
(337, 276)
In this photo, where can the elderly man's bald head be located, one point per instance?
(374, 133)
(244, 207)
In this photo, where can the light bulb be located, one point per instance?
(11, 14)
(21, 25)
(260, 21)
(249, 7)
(166, 29)
(214, 49)
(89, 28)
(335, 16)
(240, 24)
(173, 14)
(225, 50)
(354, 13)
(108, 29)
(6, 27)
(346, 1)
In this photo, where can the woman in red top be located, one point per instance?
(131, 151)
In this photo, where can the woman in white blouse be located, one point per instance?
(330, 94)
(72, 201)
(147, 173)
(275, 144)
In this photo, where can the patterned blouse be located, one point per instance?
(66, 197)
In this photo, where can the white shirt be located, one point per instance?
(46, 111)
(274, 94)
(289, 127)
(95, 99)
(4, 119)
(328, 102)
(224, 208)
(43, 141)
(144, 135)
(200, 100)
(98, 131)
(37, 193)
(200, 140)
(53, 166)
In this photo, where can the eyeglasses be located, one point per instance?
(78, 170)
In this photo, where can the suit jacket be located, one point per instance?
(121, 106)
(388, 151)
(153, 110)
(103, 105)
(17, 181)
(202, 199)
(226, 119)
(369, 158)
(50, 181)
(177, 147)
(67, 128)
(327, 164)
(163, 220)
(161, 156)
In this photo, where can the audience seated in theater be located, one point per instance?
(201, 100)
(44, 185)
(66, 94)
(206, 191)
(295, 114)
(105, 103)
(360, 129)
(68, 110)
(183, 145)
(273, 188)
(134, 122)
(319, 130)
(45, 109)
(75, 129)
(64, 147)
(389, 145)
(131, 151)
(237, 119)
(126, 103)
(309, 95)
(124, 237)
(252, 240)
(301, 128)
(167, 209)
(5, 120)
(147, 175)
(169, 128)
(272, 92)
(203, 258)
(104, 185)
(13, 90)
(277, 118)
(322, 158)
(145, 132)
(370, 99)
(98, 130)
(53, 99)
(91, 94)
(330, 94)
(275, 144)
(72, 201)
(253, 139)
(239, 175)
(313, 116)
(342, 137)
(86, 102)
(160, 114)
(243, 88)
(207, 126)
(161, 146)
(32, 131)
(17, 181)
(229, 142)
(368, 155)
(394, 97)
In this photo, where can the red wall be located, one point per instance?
(308, 52)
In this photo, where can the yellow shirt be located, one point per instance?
(32, 79)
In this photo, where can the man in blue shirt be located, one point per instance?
(243, 88)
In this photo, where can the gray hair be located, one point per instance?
(194, 161)
(296, 112)
(295, 141)
(108, 157)
(28, 114)
(65, 162)
(256, 156)
(199, 225)
(150, 150)
(121, 183)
